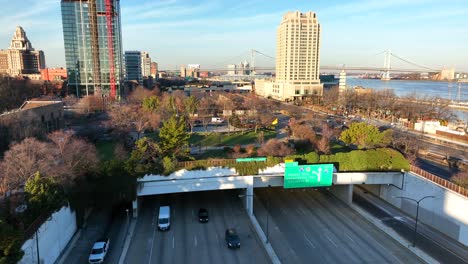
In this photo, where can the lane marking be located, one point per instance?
(152, 237)
(196, 242)
(331, 240)
(350, 238)
(173, 242)
(310, 242)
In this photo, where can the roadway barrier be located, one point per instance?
(436, 179)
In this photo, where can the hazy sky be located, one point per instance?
(215, 33)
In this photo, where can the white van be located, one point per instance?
(164, 219)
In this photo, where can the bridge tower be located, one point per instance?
(387, 66)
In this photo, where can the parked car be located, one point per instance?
(99, 251)
(203, 215)
(232, 239)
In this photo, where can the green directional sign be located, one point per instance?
(251, 159)
(303, 176)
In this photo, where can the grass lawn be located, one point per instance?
(232, 139)
(337, 148)
(105, 150)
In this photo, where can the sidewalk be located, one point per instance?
(435, 244)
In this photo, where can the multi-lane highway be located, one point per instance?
(307, 226)
(189, 241)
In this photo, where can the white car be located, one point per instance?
(99, 251)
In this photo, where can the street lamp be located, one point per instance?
(417, 213)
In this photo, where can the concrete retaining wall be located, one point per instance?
(52, 237)
(447, 213)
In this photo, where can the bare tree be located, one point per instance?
(274, 147)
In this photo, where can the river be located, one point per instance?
(448, 90)
(457, 92)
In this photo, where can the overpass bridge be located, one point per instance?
(226, 178)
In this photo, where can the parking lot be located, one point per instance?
(188, 240)
(308, 226)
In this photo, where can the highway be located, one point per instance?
(307, 226)
(189, 241)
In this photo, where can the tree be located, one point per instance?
(114, 185)
(11, 241)
(74, 156)
(145, 158)
(174, 138)
(133, 118)
(274, 147)
(151, 103)
(365, 136)
(44, 195)
(191, 105)
(22, 161)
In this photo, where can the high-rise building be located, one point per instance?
(297, 59)
(154, 69)
(183, 71)
(133, 66)
(145, 64)
(21, 58)
(93, 46)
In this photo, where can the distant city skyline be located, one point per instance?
(217, 33)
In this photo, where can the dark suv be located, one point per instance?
(232, 239)
(203, 215)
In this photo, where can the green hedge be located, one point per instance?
(383, 159)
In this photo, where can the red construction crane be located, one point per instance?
(110, 46)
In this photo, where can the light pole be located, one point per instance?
(417, 213)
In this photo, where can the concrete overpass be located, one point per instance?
(225, 178)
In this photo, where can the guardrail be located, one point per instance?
(436, 179)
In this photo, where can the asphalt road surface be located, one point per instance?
(189, 241)
(307, 226)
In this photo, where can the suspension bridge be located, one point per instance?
(385, 70)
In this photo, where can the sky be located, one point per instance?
(215, 33)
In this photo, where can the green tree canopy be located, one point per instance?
(44, 195)
(10, 243)
(145, 158)
(191, 105)
(174, 138)
(365, 136)
(114, 185)
(150, 103)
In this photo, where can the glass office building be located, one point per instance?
(87, 53)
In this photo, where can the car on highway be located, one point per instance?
(232, 238)
(203, 215)
(164, 218)
(99, 251)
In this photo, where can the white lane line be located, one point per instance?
(152, 237)
(173, 242)
(196, 242)
(302, 211)
(310, 242)
(331, 240)
(350, 238)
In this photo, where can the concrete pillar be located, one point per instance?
(343, 192)
(249, 199)
(135, 207)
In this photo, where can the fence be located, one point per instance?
(447, 184)
(206, 163)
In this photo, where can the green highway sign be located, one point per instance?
(251, 159)
(301, 176)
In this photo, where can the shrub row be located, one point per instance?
(383, 159)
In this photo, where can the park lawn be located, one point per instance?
(105, 150)
(337, 148)
(232, 139)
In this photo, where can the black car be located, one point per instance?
(232, 239)
(203, 215)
